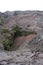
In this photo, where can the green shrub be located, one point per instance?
(32, 32)
(11, 35)
(7, 44)
(1, 21)
(6, 31)
(16, 31)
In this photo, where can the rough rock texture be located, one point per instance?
(29, 52)
(24, 18)
(22, 57)
(28, 42)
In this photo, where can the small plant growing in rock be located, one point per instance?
(12, 34)
(8, 44)
(1, 21)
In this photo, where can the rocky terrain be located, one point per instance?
(21, 57)
(27, 48)
(23, 19)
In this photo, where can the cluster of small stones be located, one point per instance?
(22, 57)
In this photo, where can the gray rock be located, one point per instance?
(12, 64)
(1, 46)
(16, 58)
(3, 63)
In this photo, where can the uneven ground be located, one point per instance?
(30, 51)
(21, 57)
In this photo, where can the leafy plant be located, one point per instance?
(16, 31)
(32, 32)
(1, 21)
(5, 31)
(11, 35)
(7, 44)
